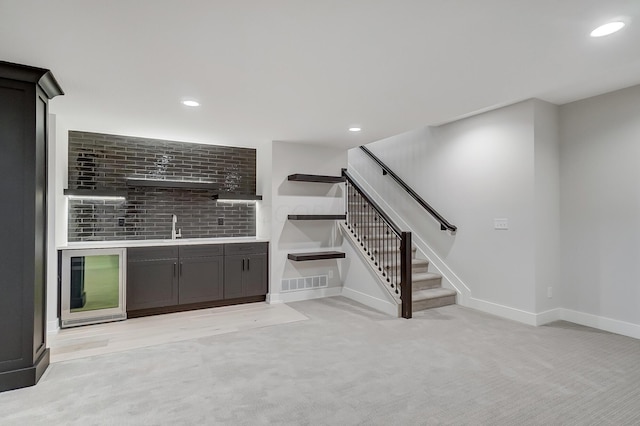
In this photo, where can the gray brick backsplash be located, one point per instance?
(99, 161)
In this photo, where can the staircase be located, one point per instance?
(386, 248)
(427, 290)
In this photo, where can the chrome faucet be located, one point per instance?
(174, 234)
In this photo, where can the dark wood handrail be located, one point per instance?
(444, 224)
(382, 214)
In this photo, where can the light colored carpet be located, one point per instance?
(348, 365)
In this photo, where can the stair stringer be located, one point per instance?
(436, 263)
(392, 305)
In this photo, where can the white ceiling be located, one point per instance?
(306, 70)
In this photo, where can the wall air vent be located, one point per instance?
(305, 283)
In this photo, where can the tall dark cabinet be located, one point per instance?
(24, 95)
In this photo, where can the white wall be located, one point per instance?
(264, 174)
(304, 198)
(359, 281)
(600, 210)
(547, 206)
(471, 171)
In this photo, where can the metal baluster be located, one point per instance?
(360, 212)
(346, 202)
(377, 263)
(398, 265)
(386, 256)
(369, 214)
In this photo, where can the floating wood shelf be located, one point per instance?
(317, 217)
(163, 183)
(95, 193)
(238, 197)
(315, 178)
(318, 255)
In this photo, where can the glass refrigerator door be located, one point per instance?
(92, 286)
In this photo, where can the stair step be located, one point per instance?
(418, 266)
(433, 298)
(425, 281)
(317, 255)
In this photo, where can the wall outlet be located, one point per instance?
(501, 224)
(121, 221)
(549, 292)
(330, 273)
(221, 221)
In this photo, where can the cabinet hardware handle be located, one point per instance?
(174, 269)
(243, 264)
(248, 267)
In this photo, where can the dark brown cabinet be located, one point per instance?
(24, 95)
(152, 277)
(166, 279)
(201, 274)
(245, 270)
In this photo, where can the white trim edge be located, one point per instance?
(273, 298)
(602, 323)
(548, 316)
(52, 326)
(297, 296)
(372, 302)
(501, 311)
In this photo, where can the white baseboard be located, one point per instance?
(602, 323)
(529, 318)
(297, 296)
(53, 326)
(372, 302)
(548, 316)
(273, 298)
(501, 311)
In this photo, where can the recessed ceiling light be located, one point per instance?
(354, 129)
(606, 29)
(191, 103)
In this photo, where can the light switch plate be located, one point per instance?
(501, 224)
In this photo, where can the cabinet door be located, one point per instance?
(200, 279)
(152, 284)
(254, 278)
(233, 269)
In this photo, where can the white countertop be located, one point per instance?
(157, 243)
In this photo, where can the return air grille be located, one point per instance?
(305, 283)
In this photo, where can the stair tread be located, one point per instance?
(432, 293)
(423, 276)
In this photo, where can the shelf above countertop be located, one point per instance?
(158, 243)
(299, 177)
(164, 183)
(236, 197)
(97, 193)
